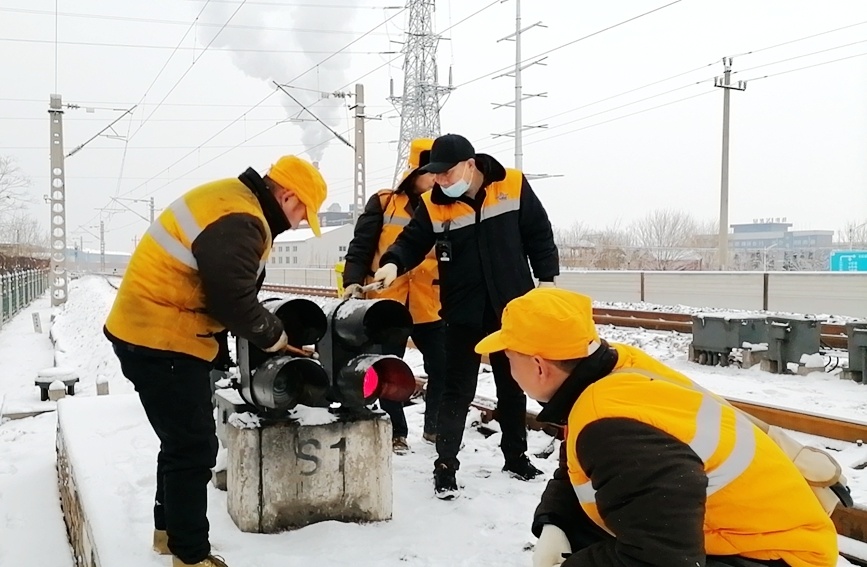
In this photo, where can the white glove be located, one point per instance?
(551, 546)
(547, 284)
(280, 344)
(386, 274)
(352, 291)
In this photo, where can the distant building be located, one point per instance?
(334, 216)
(301, 249)
(772, 245)
(775, 232)
(91, 261)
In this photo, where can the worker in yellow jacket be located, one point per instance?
(384, 217)
(195, 274)
(655, 471)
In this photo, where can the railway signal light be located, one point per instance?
(276, 382)
(356, 351)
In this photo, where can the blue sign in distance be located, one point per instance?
(849, 261)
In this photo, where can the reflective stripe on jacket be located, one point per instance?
(758, 504)
(161, 303)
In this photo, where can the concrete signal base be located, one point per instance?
(283, 475)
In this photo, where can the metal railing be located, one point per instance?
(18, 289)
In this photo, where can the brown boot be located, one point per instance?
(161, 542)
(209, 561)
(400, 446)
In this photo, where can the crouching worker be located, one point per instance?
(197, 272)
(654, 470)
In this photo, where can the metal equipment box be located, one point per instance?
(789, 339)
(715, 335)
(856, 331)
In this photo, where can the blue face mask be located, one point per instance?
(456, 189)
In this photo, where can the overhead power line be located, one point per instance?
(179, 22)
(357, 79)
(807, 67)
(799, 39)
(196, 60)
(302, 5)
(269, 95)
(184, 48)
(572, 42)
(801, 56)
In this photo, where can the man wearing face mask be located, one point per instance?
(484, 222)
(196, 273)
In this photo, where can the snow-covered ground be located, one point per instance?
(488, 524)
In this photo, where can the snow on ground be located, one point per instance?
(79, 340)
(31, 525)
(114, 450)
(25, 352)
(489, 522)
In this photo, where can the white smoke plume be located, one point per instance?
(271, 65)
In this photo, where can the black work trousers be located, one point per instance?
(584, 533)
(461, 378)
(429, 339)
(176, 395)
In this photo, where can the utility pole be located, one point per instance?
(517, 133)
(101, 246)
(358, 174)
(59, 276)
(358, 191)
(59, 287)
(152, 210)
(517, 103)
(725, 83)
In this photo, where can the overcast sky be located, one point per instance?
(208, 109)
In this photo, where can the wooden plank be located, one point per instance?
(805, 422)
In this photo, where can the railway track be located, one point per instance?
(833, 336)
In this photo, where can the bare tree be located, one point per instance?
(13, 183)
(853, 234)
(667, 239)
(573, 244)
(21, 235)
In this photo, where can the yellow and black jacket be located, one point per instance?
(385, 215)
(491, 238)
(197, 272)
(673, 474)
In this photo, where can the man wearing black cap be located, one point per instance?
(484, 222)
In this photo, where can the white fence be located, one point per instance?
(838, 293)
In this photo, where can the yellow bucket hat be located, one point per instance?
(551, 323)
(300, 177)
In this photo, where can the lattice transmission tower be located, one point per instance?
(419, 105)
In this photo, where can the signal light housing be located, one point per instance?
(358, 349)
(274, 383)
(369, 377)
